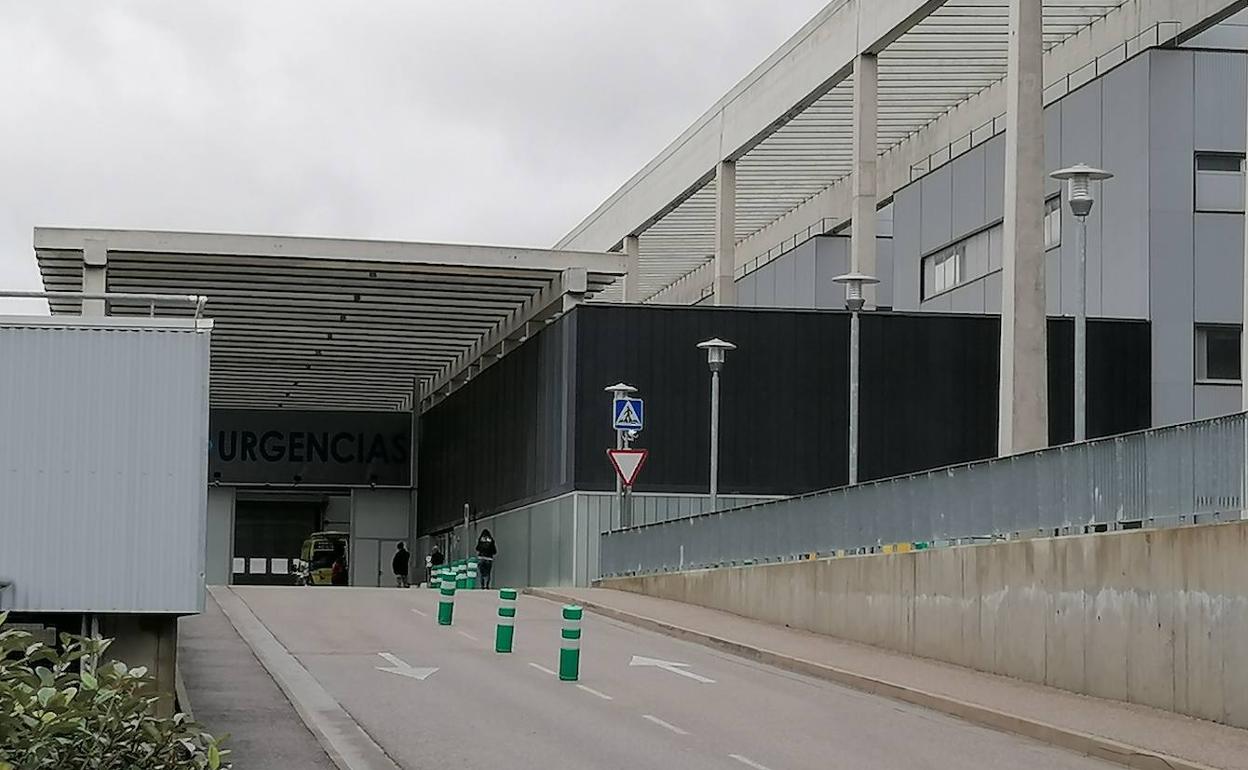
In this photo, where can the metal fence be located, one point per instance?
(1156, 478)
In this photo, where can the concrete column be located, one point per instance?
(866, 129)
(632, 262)
(725, 232)
(1024, 406)
(94, 275)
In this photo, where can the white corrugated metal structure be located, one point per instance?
(102, 464)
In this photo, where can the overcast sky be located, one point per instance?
(491, 121)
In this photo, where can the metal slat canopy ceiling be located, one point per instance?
(321, 323)
(953, 53)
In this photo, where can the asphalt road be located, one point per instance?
(484, 710)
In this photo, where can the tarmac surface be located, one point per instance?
(643, 699)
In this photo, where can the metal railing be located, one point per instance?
(152, 300)
(1156, 478)
(1153, 37)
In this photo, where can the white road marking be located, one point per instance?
(670, 666)
(592, 691)
(667, 725)
(418, 612)
(748, 762)
(467, 635)
(543, 669)
(403, 668)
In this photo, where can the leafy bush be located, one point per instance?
(56, 712)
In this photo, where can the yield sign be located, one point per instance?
(628, 463)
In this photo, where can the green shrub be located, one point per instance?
(55, 712)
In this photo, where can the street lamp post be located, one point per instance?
(1079, 194)
(716, 350)
(854, 302)
(618, 391)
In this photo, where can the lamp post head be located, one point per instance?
(853, 283)
(716, 349)
(1079, 180)
(620, 390)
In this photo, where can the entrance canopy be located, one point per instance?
(324, 323)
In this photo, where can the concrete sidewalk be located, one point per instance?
(231, 693)
(1135, 736)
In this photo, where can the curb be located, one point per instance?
(342, 738)
(179, 691)
(1084, 743)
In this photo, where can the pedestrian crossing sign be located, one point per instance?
(628, 414)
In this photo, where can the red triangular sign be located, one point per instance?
(628, 463)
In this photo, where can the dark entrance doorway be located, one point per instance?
(268, 535)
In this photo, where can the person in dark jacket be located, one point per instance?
(435, 559)
(486, 551)
(400, 564)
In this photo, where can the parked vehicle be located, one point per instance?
(318, 557)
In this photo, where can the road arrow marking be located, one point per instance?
(667, 665)
(400, 667)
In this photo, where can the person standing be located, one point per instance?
(487, 549)
(400, 564)
(435, 559)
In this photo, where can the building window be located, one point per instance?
(943, 270)
(1217, 354)
(1053, 222)
(1219, 182)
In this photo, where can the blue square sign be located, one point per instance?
(628, 414)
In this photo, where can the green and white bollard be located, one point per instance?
(472, 574)
(461, 577)
(570, 646)
(505, 632)
(446, 603)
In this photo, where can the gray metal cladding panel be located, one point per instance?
(1123, 204)
(786, 279)
(1053, 278)
(747, 290)
(936, 217)
(831, 260)
(906, 250)
(102, 470)
(1221, 112)
(1053, 143)
(1170, 234)
(765, 286)
(804, 274)
(992, 292)
(1219, 268)
(994, 178)
(968, 298)
(968, 192)
(884, 267)
(1216, 400)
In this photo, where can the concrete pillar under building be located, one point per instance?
(632, 263)
(866, 129)
(725, 233)
(94, 276)
(1024, 413)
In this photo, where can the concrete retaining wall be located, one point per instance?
(1156, 617)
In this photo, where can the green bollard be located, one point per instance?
(446, 603)
(461, 578)
(505, 632)
(570, 646)
(472, 574)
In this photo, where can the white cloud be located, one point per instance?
(495, 121)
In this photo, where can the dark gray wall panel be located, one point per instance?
(1219, 268)
(1171, 183)
(1221, 111)
(499, 440)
